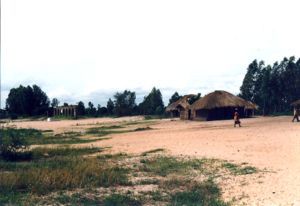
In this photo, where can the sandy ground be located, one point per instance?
(268, 143)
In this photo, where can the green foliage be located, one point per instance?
(91, 110)
(101, 111)
(54, 102)
(174, 98)
(142, 129)
(81, 108)
(13, 146)
(194, 98)
(273, 88)
(59, 173)
(124, 103)
(166, 165)
(44, 152)
(204, 194)
(27, 101)
(153, 151)
(238, 170)
(110, 107)
(121, 200)
(78, 199)
(152, 104)
(37, 137)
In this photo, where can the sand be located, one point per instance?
(271, 144)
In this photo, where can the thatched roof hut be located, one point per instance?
(296, 103)
(220, 105)
(181, 108)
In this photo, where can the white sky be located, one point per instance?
(89, 49)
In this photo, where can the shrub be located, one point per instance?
(13, 146)
(206, 193)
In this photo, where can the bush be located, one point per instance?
(206, 193)
(13, 146)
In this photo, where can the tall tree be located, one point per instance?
(110, 107)
(27, 101)
(152, 104)
(273, 88)
(249, 83)
(91, 110)
(174, 98)
(54, 102)
(124, 103)
(81, 108)
(101, 111)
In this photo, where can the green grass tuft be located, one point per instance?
(121, 200)
(202, 194)
(239, 170)
(152, 151)
(166, 165)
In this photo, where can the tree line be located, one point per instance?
(32, 101)
(272, 87)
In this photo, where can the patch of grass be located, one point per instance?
(41, 137)
(175, 183)
(149, 182)
(43, 152)
(142, 129)
(206, 194)
(102, 131)
(22, 133)
(60, 173)
(166, 165)
(121, 200)
(150, 117)
(47, 130)
(63, 138)
(152, 151)
(112, 127)
(112, 156)
(239, 170)
(78, 199)
(157, 196)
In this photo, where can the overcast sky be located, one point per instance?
(88, 49)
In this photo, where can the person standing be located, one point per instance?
(296, 115)
(236, 118)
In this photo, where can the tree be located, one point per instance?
(152, 104)
(110, 107)
(81, 108)
(27, 101)
(54, 102)
(13, 145)
(124, 103)
(101, 111)
(66, 104)
(248, 87)
(91, 110)
(273, 88)
(194, 98)
(174, 98)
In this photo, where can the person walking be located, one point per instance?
(296, 115)
(236, 118)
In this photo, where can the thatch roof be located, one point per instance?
(183, 102)
(251, 105)
(219, 99)
(296, 103)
